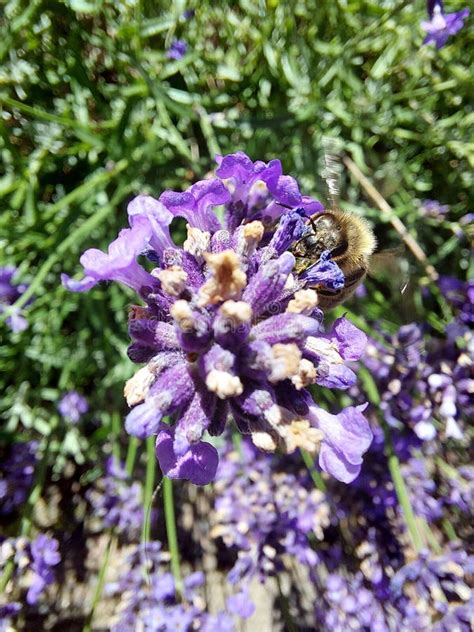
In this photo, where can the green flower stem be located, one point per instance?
(116, 426)
(129, 465)
(449, 530)
(149, 486)
(171, 531)
(100, 583)
(402, 493)
(285, 609)
(394, 465)
(314, 473)
(131, 455)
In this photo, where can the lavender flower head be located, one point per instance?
(441, 25)
(227, 328)
(149, 600)
(435, 586)
(10, 292)
(266, 514)
(72, 406)
(177, 50)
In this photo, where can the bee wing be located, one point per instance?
(390, 263)
(332, 170)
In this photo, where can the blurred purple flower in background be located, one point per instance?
(33, 562)
(430, 584)
(266, 513)
(228, 328)
(72, 406)
(10, 292)
(177, 50)
(428, 389)
(117, 501)
(44, 555)
(17, 470)
(441, 25)
(434, 209)
(151, 601)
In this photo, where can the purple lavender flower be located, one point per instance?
(33, 563)
(346, 604)
(177, 50)
(422, 489)
(72, 406)
(16, 475)
(9, 293)
(228, 328)
(265, 513)
(241, 604)
(149, 601)
(434, 209)
(434, 586)
(425, 387)
(441, 25)
(461, 295)
(44, 555)
(118, 502)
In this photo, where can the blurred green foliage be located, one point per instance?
(93, 112)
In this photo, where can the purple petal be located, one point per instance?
(332, 461)
(335, 376)
(83, 285)
(208, 194)
(291, 227)
(241, 604)
(196, 205)
(324, 272)
(347, 436)
(17, 322)
(266, 287)
(119, 263)
(143, 420)
(285, 190)
(196, 419)
(198, 464)
(351, 341)
(285, 328)
(159, 218)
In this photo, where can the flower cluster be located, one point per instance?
(431, 588)
(441, 25)
(16, 475)
(72, 406)
(266, 514)
(33, 563)
(149, 598)
(228, 328)
(117, 502)
(426, 389)
(344, 603)
(10, 292)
